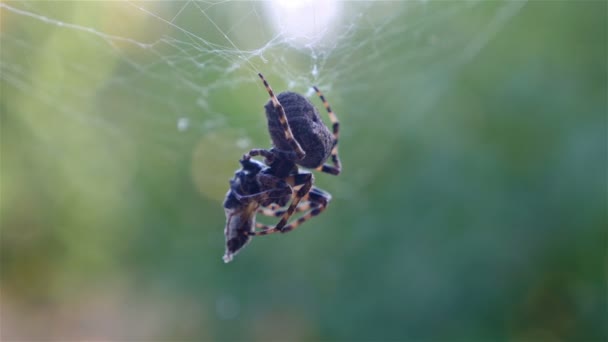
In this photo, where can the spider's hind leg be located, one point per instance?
(335, 159)
(275, 210)
(304, 181)
(293, 143)
(316, 204)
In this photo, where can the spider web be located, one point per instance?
(112, 113)
(121, 77)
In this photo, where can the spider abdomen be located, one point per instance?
(307, 127)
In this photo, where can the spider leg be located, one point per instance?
(318, 200)
(283, 120)
(303, 206)
(279, 192)
(304, 179)
(337, 167)
(272, 190)
(270, 155)
(275, 210)
(259, 152)
(264, 196)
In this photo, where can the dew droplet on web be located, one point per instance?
(233, 67)
(182, 124)
(201, 102)
(243, 143)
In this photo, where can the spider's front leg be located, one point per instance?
(267, 154)
(271, 155)
(316, 204)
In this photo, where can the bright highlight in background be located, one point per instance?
(304, 23)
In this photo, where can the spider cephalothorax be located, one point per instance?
(300, 138)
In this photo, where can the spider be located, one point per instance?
(299, 138)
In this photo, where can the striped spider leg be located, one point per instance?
(313, 203)
(295, 146)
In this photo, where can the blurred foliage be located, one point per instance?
(472, 205)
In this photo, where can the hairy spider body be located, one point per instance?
(308, 129)
(300, 138)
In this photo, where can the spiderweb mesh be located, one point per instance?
(122, 122)
(160, 74)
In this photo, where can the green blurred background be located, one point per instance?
(472, 205)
